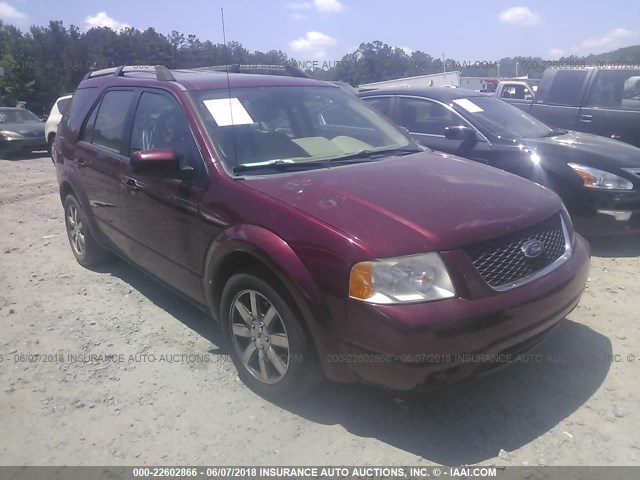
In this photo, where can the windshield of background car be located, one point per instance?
(17, 116)
(499, 118)
(292, 124)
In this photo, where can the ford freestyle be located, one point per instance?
(322, 239)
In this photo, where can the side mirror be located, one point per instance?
(160, 163)
(460, 132)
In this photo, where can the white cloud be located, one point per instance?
(328, 6)
(313, 44)
(103, 20)
(519, 16)
(298, 16)
(556, 52)
(615, 38)
(10, 14)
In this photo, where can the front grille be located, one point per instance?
(501, 261)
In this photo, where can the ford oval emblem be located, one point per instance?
(532, 248)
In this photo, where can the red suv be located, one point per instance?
(319, 236)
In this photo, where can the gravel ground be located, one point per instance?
(170, 395)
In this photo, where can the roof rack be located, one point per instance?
(162, 72)
(282, 70)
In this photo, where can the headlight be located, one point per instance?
(9, 134)
(411, 279)
(594, 178)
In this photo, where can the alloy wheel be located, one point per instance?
(76, 230)
(259, 336)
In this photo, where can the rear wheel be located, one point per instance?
(50, 140)
(83, 245)
(273, 354)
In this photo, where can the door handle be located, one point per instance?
(130, 184)
(81, 162)
(586, 118)
(615, 137)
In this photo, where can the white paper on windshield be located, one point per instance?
(228, 111)
(468, 105)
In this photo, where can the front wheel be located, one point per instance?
(83, 245)
(269, 347)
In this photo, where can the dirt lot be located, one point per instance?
(165, 405)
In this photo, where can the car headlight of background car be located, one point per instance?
(10, 135)
(595, 178)
(410, 279)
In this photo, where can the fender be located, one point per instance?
(278, 256)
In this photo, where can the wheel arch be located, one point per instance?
(245, 246)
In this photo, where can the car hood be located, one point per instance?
(421, 202)
(587, 149)
(28, 129)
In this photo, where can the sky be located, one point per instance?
(324, 30)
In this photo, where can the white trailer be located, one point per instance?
(434, 80)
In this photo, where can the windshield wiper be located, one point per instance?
(288, 166)
(352, 158)
(375, 154)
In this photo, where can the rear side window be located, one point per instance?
(616, 89)
(381, 104)
(78, 103)
(567, 88)
(109, 126)
(336, 116)
(423, 116)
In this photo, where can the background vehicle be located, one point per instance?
(51, 125)
(517, 90)
(597, 178)
(20, 131)
(321, 237)
(603, 101)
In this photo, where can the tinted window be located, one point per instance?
(87, 128)
(78, 102)
(423, 116)
(381, 104)
(616, 89)
(109, 124)
(160, 124)
(567, 88)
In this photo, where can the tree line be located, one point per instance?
(44, 63)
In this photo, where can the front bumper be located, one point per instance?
(438, 343)
(22, 144)
(607, 213)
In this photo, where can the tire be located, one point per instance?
(83, 245)
(282, 363)
(50, 140)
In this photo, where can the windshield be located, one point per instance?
(259, 126)
(18, 115)
(498, 118)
